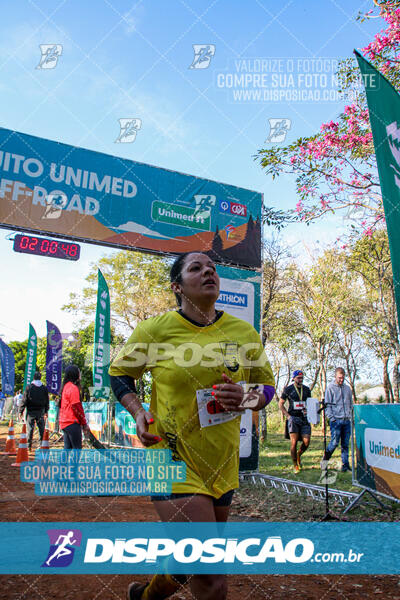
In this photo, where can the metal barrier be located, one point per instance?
(316, 492)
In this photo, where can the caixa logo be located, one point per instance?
(62, 547)
(233, 208)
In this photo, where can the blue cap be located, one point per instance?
(295, 373)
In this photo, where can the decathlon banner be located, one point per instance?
(192, 548)
(63, 190)
(7, 363)
(102, 338)
(52, 416)
(53, 358)
(30, 364)
(377, 432)
(96, 414)
(240, 297)
(384, 110)
(125, 427)
(240, 294)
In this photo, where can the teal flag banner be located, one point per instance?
(30, 364)
(102, 338)
(384, 114)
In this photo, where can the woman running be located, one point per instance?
(199, 359)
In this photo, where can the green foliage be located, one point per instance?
(139, 288)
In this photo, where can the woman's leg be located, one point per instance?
(67, 441)
(72, 437)
(197, 508)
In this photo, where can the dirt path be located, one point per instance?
(19, 503)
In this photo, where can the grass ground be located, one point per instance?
(274, 505)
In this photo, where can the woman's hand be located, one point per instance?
(143, 420)
(229, 394)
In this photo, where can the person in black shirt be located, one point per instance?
(36, 402)
(297, 395)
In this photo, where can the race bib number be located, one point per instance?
(299, 405)
(210, 411)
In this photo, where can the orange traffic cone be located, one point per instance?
(44, 445)
(22, 454)
(10, 442)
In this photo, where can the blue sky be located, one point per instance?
(123, 59)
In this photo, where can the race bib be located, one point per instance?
(210, 411)
(299, 405)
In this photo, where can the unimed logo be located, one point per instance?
(382, 449)
(193, 550)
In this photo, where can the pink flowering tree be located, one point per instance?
(335, 169)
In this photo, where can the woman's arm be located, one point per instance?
(124, 390)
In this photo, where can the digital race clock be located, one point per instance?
(30, 244)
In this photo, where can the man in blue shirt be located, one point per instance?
(339, 406)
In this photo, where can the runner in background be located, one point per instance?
(36, 403)
(199, 358)
(297, 394)
(71, 415)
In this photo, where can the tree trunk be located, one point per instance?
(263, 425)
(386, 381)
(395, 378)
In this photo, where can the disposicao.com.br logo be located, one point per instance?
(193, 550)
(219, 550)
(62, 547)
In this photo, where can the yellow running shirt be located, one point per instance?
(184, 358)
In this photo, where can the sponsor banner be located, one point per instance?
(240, 294)
(377, 433)
(125, 427)
(96, 414)
(7, 364)
(384, 107)
(240, 297)
(102, 338)
(30, 364)
(71, 192)
(53, 358)
(247, 548)
(52, 416)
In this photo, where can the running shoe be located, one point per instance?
(135, 590)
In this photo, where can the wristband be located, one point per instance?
(136, 412)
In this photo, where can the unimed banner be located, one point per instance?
(31, 352)
(102, 338)
(58, 189)
(384, 114)
(377, 431)
(96, 414)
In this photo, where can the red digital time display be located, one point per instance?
(30, 244)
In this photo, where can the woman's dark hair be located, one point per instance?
(72, 375)
(176, 271)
